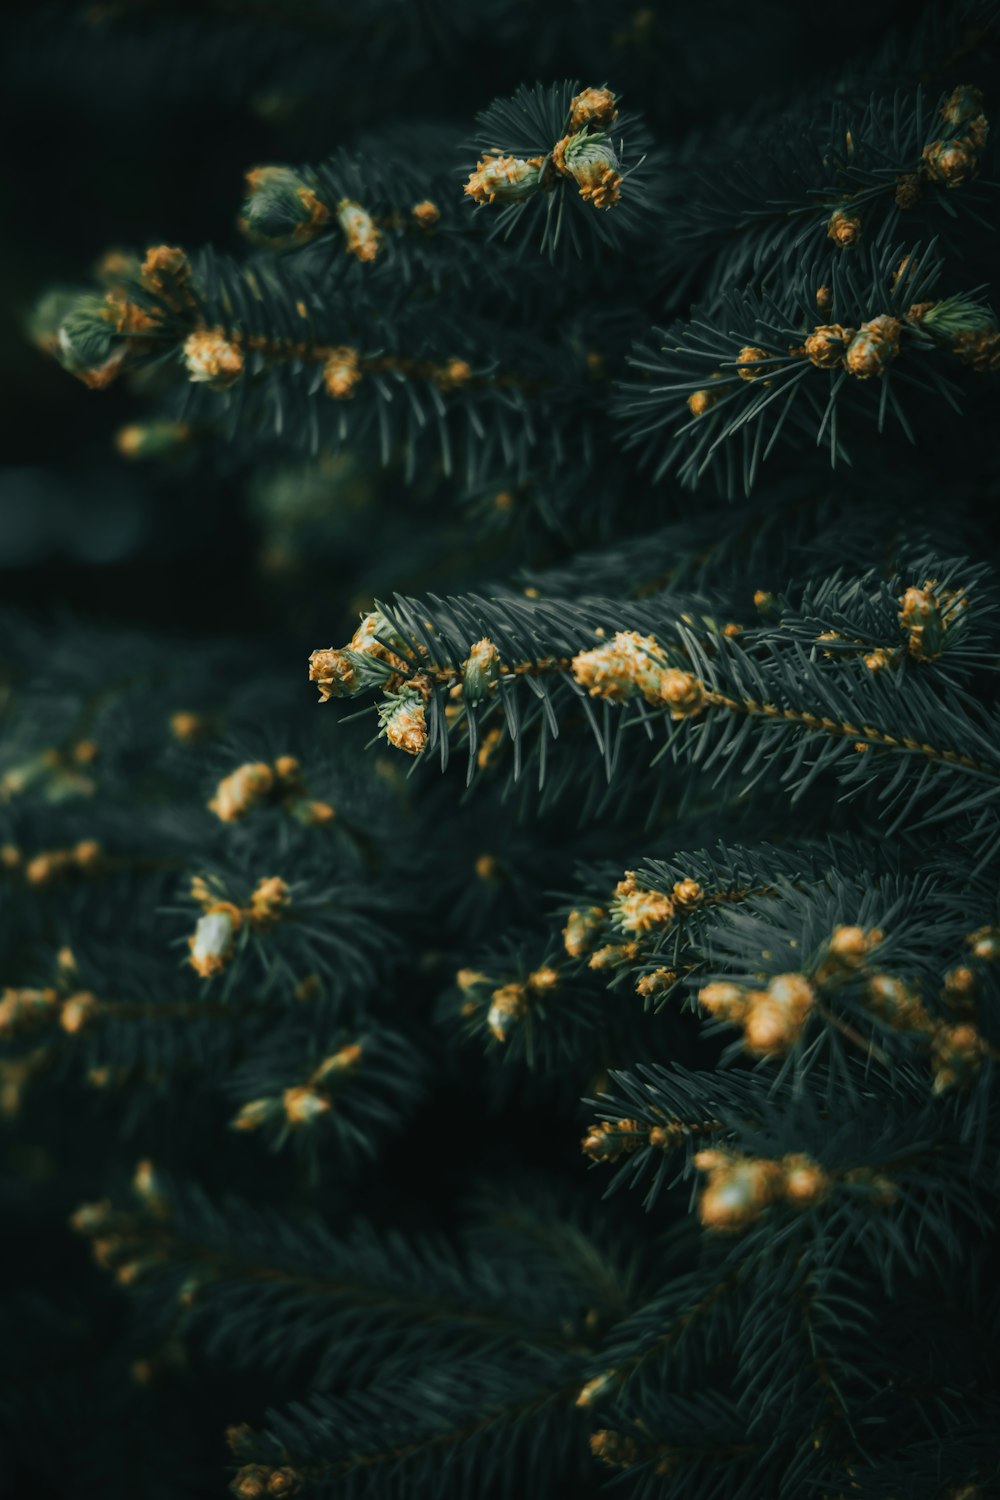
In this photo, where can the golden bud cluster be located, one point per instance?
(405, 723)
(300, 213)
(985, 943)
(874, 347)
(595, 1390)
(452, 375)
(896, 1003)
(657, 982)
(271, 898)
(739, 1188)
(426, 213)
(850, 947)
(632, 665)
(843, 228)
(213, 941)
(880, 659)
(341, 372)
(701, 401)
(241, 790)
(960, 984)
(336, 671)
(480, 670)
(772, 1019)
(84, 858)
(591, 107)
(749, 361)
(581, 928)
(827, 345)
(302, 1104)
(344, 1060)
(92, 1218)
(957, 1048)
(362, 238)
(953, 161)
(590, 160)
(864, 352)
(687, 894)
(148, 1188)
(58, 772)
(212, 359)
(25, 1010)
(166, 271)
(189, 728)
(611, 955)
(505, 178)
(926, 615)
(957, 1054)
(638, 910)
(77, 1010)
(506, 1004)
(610, 1139)
(510, 1003)
(262, 1482)
(257, 782)
(98, 334)
(585, 154)
(953, 158)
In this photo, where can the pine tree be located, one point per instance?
(555, 1046)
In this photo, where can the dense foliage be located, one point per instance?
(620, 470)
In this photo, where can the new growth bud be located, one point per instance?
(361, 238)
(281, 208)
(505, 179)
(874, 347)
(581, 928)
(87, 343)
(212, 359)
(213, 939)
(633, 664)
(403, 720)
(590, 159)
(772, 1019)
(482, 669)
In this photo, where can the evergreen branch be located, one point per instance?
(272, 352)
(353, 1300)
(391, 208)
(565, 169)
(847, 179)
(449, 665)
(347, 1089)
(756, 364)
(455, 1423)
